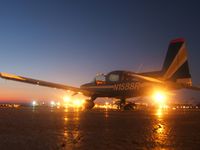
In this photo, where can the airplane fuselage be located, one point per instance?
(124, 87)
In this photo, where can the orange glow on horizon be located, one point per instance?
(20, 92)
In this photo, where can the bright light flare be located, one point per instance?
(74, 102)
(78, 102)
(66, 98)
(34, 103)
(160, 97)
(52, 103)
(80, 93)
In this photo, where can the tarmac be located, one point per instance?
(52, 128)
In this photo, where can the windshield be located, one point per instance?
(114, 77)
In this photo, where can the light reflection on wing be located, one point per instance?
(41, 83)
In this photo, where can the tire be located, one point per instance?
(89, 104)
(128, 107)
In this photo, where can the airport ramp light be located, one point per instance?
(52, 103)
(34, 103)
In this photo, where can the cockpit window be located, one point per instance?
(100, 79)
(114, 77)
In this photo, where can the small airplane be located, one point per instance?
(121, 84)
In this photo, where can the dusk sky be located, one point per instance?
(69, 41)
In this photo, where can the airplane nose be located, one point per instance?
(83, 86)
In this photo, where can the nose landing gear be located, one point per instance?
(89, 104)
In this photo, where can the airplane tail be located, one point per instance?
(175, 67)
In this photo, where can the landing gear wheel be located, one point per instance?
(122, 104)
(128, 107)
(89, 104)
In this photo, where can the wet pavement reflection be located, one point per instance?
(71, 129)
(99, 129)
(160, 128)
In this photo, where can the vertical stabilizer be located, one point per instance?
(175, 67)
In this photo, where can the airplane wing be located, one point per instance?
(42, 83)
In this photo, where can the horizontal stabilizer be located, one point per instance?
(196, 88)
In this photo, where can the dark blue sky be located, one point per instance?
(70, 41)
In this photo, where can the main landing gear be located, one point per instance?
(126, 106)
